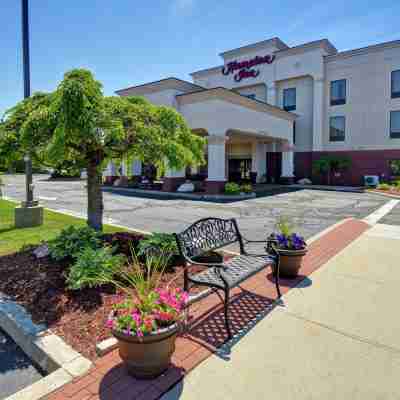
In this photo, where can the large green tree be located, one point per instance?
(78, 123)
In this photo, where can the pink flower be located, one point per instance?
(137, 318)
(184, 297)
(139, 333)
(110, 323)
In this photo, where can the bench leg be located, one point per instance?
(278, 289)
(226, 305)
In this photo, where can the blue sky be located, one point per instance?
(127, 42)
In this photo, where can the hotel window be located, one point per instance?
(396, 84)
(338, 92)
(337, 127)
(289, 99)
(395, 124)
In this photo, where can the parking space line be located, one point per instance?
(378, 214)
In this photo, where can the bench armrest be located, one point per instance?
(273, 253)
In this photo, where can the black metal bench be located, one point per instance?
(211, 234)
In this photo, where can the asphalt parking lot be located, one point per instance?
(310, 210)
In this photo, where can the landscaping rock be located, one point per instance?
(304, 181)
(187, 187)
(41, 251)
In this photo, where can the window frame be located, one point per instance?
(392, 134)
(394, 95)
(291, 107)
(332, 139)
(341, 101)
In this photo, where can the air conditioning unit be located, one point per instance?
(371, 180)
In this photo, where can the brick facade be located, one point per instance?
(363, 162)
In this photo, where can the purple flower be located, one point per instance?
(297, 242)
(282, 241)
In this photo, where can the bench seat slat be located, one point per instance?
(236, 270)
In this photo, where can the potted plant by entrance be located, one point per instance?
(290, 246)
(147, 321)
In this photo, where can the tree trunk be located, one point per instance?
(95, 197)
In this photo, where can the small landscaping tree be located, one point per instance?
(77, 124)
(327, 165)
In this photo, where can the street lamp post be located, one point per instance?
(25, 48)
(27, 92)
(29, 214)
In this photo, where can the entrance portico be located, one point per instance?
(240, 131)
(238, 128)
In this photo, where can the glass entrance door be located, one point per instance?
(274, 167)
(239, 169)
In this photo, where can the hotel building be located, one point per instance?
(269, 110)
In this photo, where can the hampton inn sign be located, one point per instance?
(270, 110)
(245, 68)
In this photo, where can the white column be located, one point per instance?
(111, 169)
(216, 158)
(272, 94)
(136, 168)
(258, 159)
(318, 113)
(124, 167)
(287, 160)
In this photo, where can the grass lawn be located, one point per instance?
(12, 239)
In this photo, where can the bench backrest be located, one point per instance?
(207, 234)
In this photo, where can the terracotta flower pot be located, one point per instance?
(149, 356)
(290, 262)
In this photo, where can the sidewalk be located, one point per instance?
(336, 339)
(249, 304)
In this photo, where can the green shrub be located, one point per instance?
(72, 240)
(232, 188)
(383, 186)
(246, 188)
(94, 267)
(163, 243)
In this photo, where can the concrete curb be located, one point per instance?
(47, 350)
(175, 195)
(81, 216)
(344, 189)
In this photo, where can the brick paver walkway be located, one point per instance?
(254, 299)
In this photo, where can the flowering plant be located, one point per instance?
(286, 238)
(139, 317)
(148, 306)
(291, 242)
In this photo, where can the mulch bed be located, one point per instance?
(77, 316)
